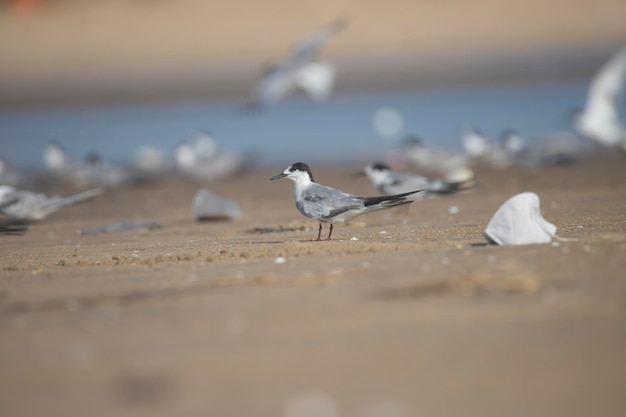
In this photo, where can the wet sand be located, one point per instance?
(418, 317)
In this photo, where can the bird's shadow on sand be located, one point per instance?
(13, 227)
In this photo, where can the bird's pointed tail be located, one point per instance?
(389, 200)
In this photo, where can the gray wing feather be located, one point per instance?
(321, 202)
(35, 206)
(307, 49)
(413, 182)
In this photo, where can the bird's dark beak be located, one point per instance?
(359, 174)
(277, 177)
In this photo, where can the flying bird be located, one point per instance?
(299, 71)
(600, 119)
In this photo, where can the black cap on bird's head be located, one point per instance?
(372, 168)
(380, 166)
(297, 167)
(300, 166)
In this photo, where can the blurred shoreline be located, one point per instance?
(79, 51)
(229, 81)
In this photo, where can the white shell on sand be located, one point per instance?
(519, 222)
(208, 206)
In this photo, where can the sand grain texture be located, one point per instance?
(418, 315)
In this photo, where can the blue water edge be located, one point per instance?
(338, 130)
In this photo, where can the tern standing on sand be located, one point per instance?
(330, 205)
(390, 182)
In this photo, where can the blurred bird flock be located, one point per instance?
(292, 100)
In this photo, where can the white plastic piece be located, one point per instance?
(519, 222)
(208, 206)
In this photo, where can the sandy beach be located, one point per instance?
(417, 317)
(405, 313)
(77, 51)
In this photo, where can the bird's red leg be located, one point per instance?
(331, 232)
(319, 233)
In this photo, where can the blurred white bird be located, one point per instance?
(150, 160)
(300, 70)
(150, 163)
(103, 173)
(390, 182)
(558, 148)
(482, 151)
(451, 167)
(26, 205)
(198, 158)
(600, 119)
(92, 171)
(63, 168)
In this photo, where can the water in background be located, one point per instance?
(339, 130)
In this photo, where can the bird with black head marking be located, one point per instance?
(330, 205)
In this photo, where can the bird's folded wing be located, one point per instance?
(321, 202)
